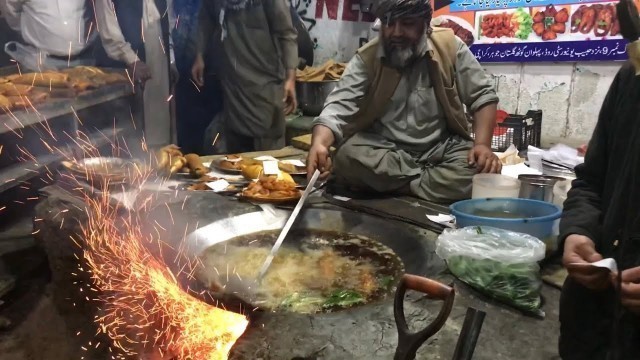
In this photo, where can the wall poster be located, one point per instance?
(534, 30)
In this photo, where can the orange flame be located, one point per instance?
(145, 307)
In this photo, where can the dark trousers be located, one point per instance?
(195, 110)
(586, 326)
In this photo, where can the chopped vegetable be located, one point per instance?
(522, 22)
(386, 282)
(343, 298)
(337, 299)
(297, 300)
(517, 284)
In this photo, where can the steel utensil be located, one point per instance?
(287, 226)
(245, 288)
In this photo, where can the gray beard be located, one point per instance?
(401, 58)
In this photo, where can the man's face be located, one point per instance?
(400, 38)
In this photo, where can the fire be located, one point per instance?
(144, 306)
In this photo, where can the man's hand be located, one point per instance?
(174, 74)
(485, 161)
(580, 249)
(139, 72)
(290, 101)
(197, 70)
(630, 289)
(318, 158)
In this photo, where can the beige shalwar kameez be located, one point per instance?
(408, 149)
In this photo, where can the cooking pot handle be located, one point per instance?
(409, 343)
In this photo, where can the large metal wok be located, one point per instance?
(407, 242)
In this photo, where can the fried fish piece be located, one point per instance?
(11, 89)
(45, 79)
(5, 103)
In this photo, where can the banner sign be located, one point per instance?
(534, 30)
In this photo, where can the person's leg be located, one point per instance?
(274, 137)
(371, 162)
(195, 110)
(585, 322)
(446, 175)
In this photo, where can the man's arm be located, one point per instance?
(172, 24)
(12, 11)
(342, 104)
(583, 207)
(206, 26)
(477, 92)
(112, 39)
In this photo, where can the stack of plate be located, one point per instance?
(555, 170)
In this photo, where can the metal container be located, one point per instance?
(538, 187)
(312, 95)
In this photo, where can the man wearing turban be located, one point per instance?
(397, 115)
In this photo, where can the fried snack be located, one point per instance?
(177, 163)
(231, 165)
(3, 80)
(170, 160)
(269, 187)
(252, 172)
(288, 168)
(198, 187)
(27, 101)
(195, 165)
(10, 89)
(83, 84)
(114, 78)
(84, 71)
(46, 79)
(5, 103)
(208, 178)
(37, 97)
(18, 101)
(202, 186)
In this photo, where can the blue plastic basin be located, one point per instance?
(536, 218)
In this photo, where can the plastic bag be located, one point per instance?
(500, 263)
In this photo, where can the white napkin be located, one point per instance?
(443, 219)
(520, 169)
(608, 263)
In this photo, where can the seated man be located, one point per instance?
(397, 113)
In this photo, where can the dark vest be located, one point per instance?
(129, 14)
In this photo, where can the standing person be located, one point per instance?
(259, 59)
(56, 33)
(397, 114)
(599, 312)
(195, 106)
(136, 35)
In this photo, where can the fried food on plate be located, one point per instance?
(231, 162)
(269, 187)
(252, 172)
